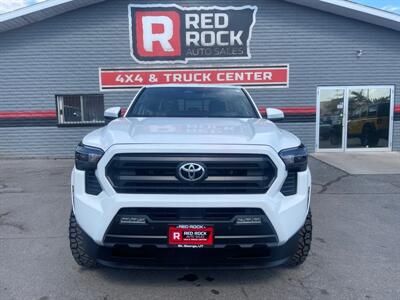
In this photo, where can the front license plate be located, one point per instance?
(191, 236)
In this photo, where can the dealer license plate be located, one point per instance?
(191, 236)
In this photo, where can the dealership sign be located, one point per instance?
(252, 76)
(162, 33)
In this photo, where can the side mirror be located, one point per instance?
(272, 114)
(112, 113)
(275, 114)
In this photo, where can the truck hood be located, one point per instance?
(233, 131)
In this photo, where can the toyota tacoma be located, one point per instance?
(190, 176)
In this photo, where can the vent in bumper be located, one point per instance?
(156, 173)
(289, 187)
(92, 185)
(191, 214)
(155, 230)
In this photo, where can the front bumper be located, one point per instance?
(285, 214)
(152, 257)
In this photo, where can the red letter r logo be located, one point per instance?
(158, 33)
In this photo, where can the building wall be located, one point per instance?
(62, 55)
(40, 141)
(396, 134)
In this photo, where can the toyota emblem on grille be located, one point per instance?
(191, 172)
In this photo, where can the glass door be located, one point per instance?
(355, 118)
(330, 116)
(369, 117)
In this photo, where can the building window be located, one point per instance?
(80, 109)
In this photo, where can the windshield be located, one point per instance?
(213, 102)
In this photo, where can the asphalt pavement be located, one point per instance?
(355, 250)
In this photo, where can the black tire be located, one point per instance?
(369, 136)
(79, 246)
(303, 244)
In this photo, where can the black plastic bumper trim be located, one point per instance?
(244, 236)
(137, 236)
(210, 258)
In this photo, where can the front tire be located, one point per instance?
(303, 244)
(79, 246)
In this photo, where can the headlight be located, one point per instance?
(86, 158)
(295, 159)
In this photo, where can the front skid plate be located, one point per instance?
(210, 258)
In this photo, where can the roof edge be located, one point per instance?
(352, 10)
(31, 9)
(40, 11)
(37, 12)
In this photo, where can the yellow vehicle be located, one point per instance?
(369, 123)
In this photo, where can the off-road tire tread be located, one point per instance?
(304, 243)
(77, 244)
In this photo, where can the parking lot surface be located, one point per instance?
(354, 255)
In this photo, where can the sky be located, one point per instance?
(389, 5)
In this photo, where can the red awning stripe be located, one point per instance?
(299, 110)
(51, 114)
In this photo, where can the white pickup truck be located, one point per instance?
(190, 176)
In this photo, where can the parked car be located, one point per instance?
(369, 123)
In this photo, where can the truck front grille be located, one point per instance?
(157, 173)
